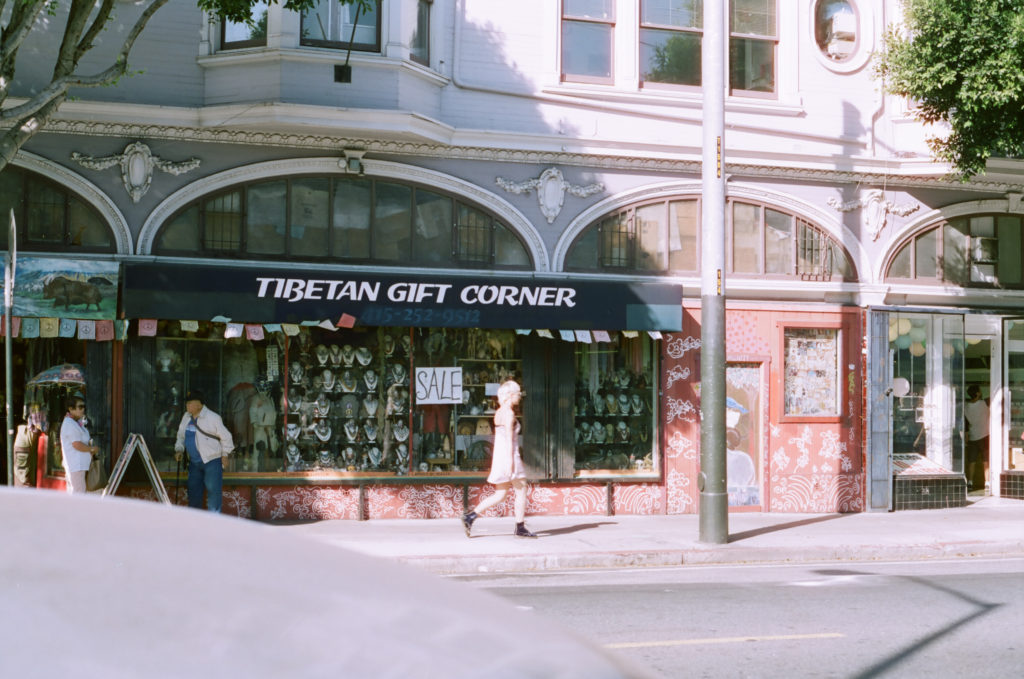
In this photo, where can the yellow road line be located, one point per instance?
(724, 640)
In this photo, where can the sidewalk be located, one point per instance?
(988, 527)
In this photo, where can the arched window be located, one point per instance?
(342, 218)
(49, 217)
(975, 251)
(664, 236)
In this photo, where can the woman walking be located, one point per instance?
(507, 469)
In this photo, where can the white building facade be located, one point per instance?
(348, 228)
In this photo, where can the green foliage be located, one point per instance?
(241, 11)
(961, 62)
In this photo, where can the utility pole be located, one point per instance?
(714, 499)
(12, 258)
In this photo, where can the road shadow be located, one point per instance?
(574, 529)
(747, 534)
(887, 666)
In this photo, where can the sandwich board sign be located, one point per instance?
(136, 442)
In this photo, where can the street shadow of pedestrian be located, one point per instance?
(736, 537)
(573, 529)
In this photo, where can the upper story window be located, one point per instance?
(752, 45)
(48, 217)
(329, 23)
(419, 44)
(588, 29)
(670, 34)
(975, 251)
(342, 218)
(234, 35)
(670, 38)
(665, 236)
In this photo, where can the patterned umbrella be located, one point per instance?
(69, 373)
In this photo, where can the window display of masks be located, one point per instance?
(615, 393)
(347, 401)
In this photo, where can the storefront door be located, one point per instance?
(1011, 453)
(927, 353)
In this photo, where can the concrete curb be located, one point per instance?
(520, 563)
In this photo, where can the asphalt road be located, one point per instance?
(956, 618)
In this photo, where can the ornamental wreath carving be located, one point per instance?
(137, 163)
(551, 188)
(876, 210)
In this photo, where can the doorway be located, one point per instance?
(978, 413)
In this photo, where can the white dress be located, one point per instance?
(506, 463)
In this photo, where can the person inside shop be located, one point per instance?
(207, 441)
(507, 469)
(75, 445)
(976, 414)
(25, 455)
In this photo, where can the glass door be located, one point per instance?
(928, 361)
(1013, 383)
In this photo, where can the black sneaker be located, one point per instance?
(467, 521)
(523, 532)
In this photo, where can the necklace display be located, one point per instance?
(335, 355)
(294, 457)
(370, 380)
(370, 430)
(351, 431)
(325, 458)
(322, 431)
(321, 407)
(348, 382)
(348, 355)
(370, 404)
(400, 432)
(322, 354)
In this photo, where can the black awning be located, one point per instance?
(294, 295)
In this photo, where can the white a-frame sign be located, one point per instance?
(136, 442)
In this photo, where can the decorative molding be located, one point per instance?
(551, 188)
(876, 210)
(85, 191)
(329, 165)
(137, 164)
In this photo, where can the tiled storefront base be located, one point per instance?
(820, 493)
(1011, 484)
(929, 492)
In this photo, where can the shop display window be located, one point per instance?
(393, 402)
(812, 368)
(615, 408)
(458, 372)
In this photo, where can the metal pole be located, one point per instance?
(714, 499)
(12, 258)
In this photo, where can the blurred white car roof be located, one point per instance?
(93, 586)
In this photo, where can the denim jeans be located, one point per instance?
(208, 476)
